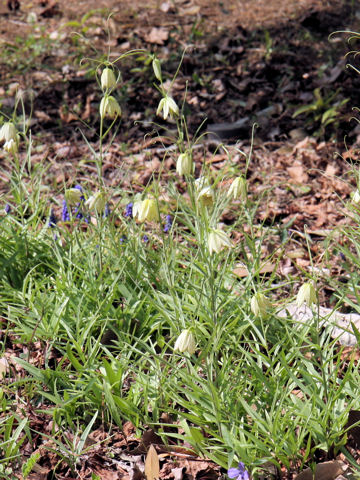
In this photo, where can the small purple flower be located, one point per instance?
(52, 219)
(168, 223)
(123, 239)
(7, 208)
(145, 239)
(107, 210)
(240, 473)
(65, 215)
(78, 213)
(129, 210)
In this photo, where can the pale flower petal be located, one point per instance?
(217, 241)
(185, 342)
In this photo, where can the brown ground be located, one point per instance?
(257, 60)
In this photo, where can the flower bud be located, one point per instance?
(8, 132)
(185, 342)
(306, 294)
(146, 210)
(184, 164)
(108, 80)
(109, 107)
(238, 189)
(259, 305)
(168, 107)
(73, 196)
(157, 69)
(96, 202)
(217, 241)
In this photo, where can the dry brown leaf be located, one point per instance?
(157, 35)
(323, 471)
(297, 174)
(194, 10)
(152, 465)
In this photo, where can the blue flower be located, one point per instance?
(65, 215)
(52, 219)
(7, 208)
(107, 210)
(78, 213)
(123, 239)
(168, 223)
(129, 210)
(240, 473)
(145, 239)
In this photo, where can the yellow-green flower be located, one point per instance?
(185, 342)
(259, 304)
(8, 132)
(206, 196)
(238, 189)
(184, 164)
(108, 80)
(73, 196)
(168, 107)
(306, 294)
(11, 146)
(217, 241)
(96, 202)
(146, 210)
(109, 107)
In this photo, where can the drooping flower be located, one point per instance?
(238, 189)
(65, 214)
(8, 132)
(73, 196)
(217, 241)
(145, 239)
(184, 164)
(240, 473)
(11, 146)
(185, 342)
(7, 208)
(206, 196)
(129, 210)
(109, 107)
(168, 223)
(355, 198)
(108, 80)
(306, 294)
(147, 210)
(259, 304)
(168, 107)
(96, 202)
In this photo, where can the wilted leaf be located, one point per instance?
(152, 466)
